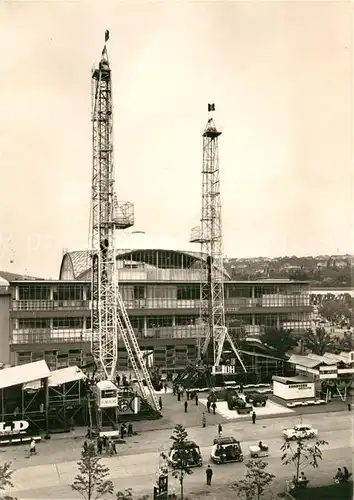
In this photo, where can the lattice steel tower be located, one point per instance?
(209, 235)
(109, 318)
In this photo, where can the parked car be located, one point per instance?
(234, 402)
(256, 399)
(226, 449)
(193, 455)
(300, 431)
(259, 450)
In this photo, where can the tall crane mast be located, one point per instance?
(209, 235)
(109, 318)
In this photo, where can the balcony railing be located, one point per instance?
(275, 300)
(231, 305)
(47, 336)
(162, 304)
(49, 305)
(184, 275)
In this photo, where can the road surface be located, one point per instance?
(49, 474)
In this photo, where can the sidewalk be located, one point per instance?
(138, 469)
(173, 413)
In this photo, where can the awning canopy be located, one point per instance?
(59, 377)
(23, 374)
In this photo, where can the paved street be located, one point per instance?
(52, 471)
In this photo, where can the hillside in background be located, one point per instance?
(323, 270)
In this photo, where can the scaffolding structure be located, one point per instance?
(109, 318)
(54, 402)
(209, 236)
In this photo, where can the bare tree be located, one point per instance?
(92, 483)
(255, 482)
(5, 480)
(180, 463)
(301, 454)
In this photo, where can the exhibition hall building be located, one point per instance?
(160, 285)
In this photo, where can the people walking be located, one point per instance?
(114, 449)
(99, 445)
(209, 475)
(254, 416)
(220, 430)
(185, 406)
(160, 403)
(203, 420)
(196, 399)
(165, 387)
(123, 431)
(208, 406)
(214, 407)
(33, 447)
(349, 407)
(104, 441)
(85, 446)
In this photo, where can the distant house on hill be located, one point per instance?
(10, 277)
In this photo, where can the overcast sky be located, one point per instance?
(280, 74)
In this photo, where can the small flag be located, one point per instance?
(106, 36)
(211, 107)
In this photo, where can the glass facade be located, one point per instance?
(161, 291)
(163, 259)
(159, 310)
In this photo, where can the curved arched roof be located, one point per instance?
(138, 240)
(77, 263)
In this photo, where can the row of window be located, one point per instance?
(77, 323)
(55, 323)
(59, 292)
(267, 319)
(164, 259)
(256, 291)
(58, 359)
(179, 292)
(166, 303)
(138, 322)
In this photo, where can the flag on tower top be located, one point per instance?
(211, 107)
(106, 36)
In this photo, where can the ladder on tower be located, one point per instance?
(134, 353)
(89, 408)
(220, 335)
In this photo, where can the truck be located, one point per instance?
(234, 402)
(256, 398)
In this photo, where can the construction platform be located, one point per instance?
(56, 401)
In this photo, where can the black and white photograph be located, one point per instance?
(176, 250)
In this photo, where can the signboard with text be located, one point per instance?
(15, 432)
(13, 428)
(328, 372)
(301, 390)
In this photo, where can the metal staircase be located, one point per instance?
(135, 356)
(89, 409)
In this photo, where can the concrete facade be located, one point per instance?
(51, 319)
(5, 306)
